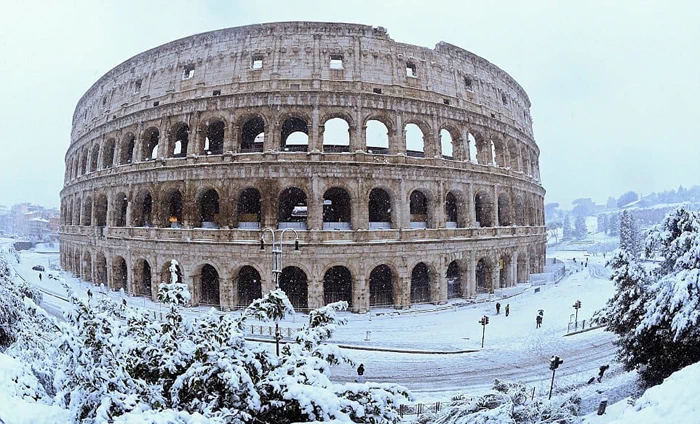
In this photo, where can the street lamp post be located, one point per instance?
(554, 363)
(277, 266)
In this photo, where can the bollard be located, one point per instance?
(602, 406)
(367, 335)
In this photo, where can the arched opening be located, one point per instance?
(379, 210)
(483, 276)
(108, 153)
(120, 206)
(86, 273)
(420, 284)
(209, 286)
(415, 143)
(505, 277)
(95, 158)
(142, 278)
(293, 283)
(337, 209)
(174, 208)
(337, 285)
(473, 152)
(181, 141)
(77, 211)
(101, 211)
(377, 137)
(214, 140)
(523, 276)
(483, 209)
(513, 153)
(84, 163)
(119, 273)
(418, 209)
(209, 209)
(292, 209)
(127, 150)
(503, 210)
(151, 138)
(143, 216)
(166, 275)
(249, 286)
(87, 211)
(519, 210)
(100, 269)
(336, 136)
(381, 283)
(295, 135)
(249, 209)
(454, 281)
(499, 156)
(446, 144)
(533, 262)
(253, 135)
(451, 211)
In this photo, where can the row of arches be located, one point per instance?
(383, 286)
(337, 133)
(294, 207)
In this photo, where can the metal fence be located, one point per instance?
(419, 409)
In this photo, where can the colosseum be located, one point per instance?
(408, 174)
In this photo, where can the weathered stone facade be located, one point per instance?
(184, 152)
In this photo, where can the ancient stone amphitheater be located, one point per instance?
(409, 174)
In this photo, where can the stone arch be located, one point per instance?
(381, 209)
(505, 271)
(179, 140)
(84, 162)
(377, 130)
(208, 208)
(173, 205)
(455, 210)
(143, 209)
(504, 219)
(337, 285)
(415, 138)
(128, 145)
(522, 273)
(484, 275)
(337, 209)
(499, 151)
(150, 141)
(94, 158)
(382, 280)
(214, 131)
(293, 281)
(420, 283)
(100, 269)
(78, 210)
(295, 134)
(249, 285)
(447, 146)
(121, 204)
(483, 150)
(292, 212)
(249, 209)
(101, 206)
(87, 211)
(120, 273)
(207, 282)
(165, 273)
(141, 278)
(519, 210)
(513, 153)
(336, 135)
(483, 208)
(419, 208)
(86, 271)
(531, 218)
(108, 153)
(454, 280)
(252, 133)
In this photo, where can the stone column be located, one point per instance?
(440, 283)
(494, 209)
(360, 295)
(496, 274)
(315, 293)
(513, 269)
(402, 296)
(315, 219)
(472, 206)
(439, 207)
(397, 138)
(315, 141)
(234, 140)
(273, 138)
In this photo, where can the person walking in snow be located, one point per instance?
(89, 293)
(507, 309)
(361, 373)
(601, 371)
(498, 308)
(538, 320)
(39, 276)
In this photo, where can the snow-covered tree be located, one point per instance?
(614, 224)
(602, 223)
(567, 231)
(629, 234)
(580, 230)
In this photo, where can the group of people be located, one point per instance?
(498, 308)
(538, 318)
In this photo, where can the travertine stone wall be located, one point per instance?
(117, 199)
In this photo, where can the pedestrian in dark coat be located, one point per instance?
(539, 321)
(508, 309)
(39, 276)
(498, 307)
(601, 371)
(361, 373)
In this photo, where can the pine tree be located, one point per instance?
(580, 230)
(614, 224)
(602, 223)
(629, 234)
(567, 231)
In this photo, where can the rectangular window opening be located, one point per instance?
(216, 93)
(156, 103)
(336, 61)
(188, 72)
(137, 86)
(446, 102)
(468, 83)
(411, 70)
(294, 86)
(377, 90)
(256, 62)
(504, 99)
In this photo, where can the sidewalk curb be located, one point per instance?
(378, 349)
(573, 333)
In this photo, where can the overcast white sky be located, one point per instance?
(614, 86)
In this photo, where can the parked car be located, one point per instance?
(38, 268)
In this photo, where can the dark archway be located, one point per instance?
(420, 284)
(100, 269)
(249, 286)
(101, 211)
(214, 140)
(120, 207)
(519, 210)
(142, 278)
(337, 285)
(295, 135)
(143, 216)
(253, 135)
(95, 158)
(484, 210)
(151, 139)
(209, 286)
(337, 209)
(87, 212)
(294, 283)
(119, 273)
(418, 208)
(127, 150)
(181, 141)
(108, 153)
(249, 209)
(454, 281)
(381, 286)
(174, 208)
(209, 209)
(379, 209)
(483, 276)
(451, 211)
(503, 210)
(292, 209)
(505, 278)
